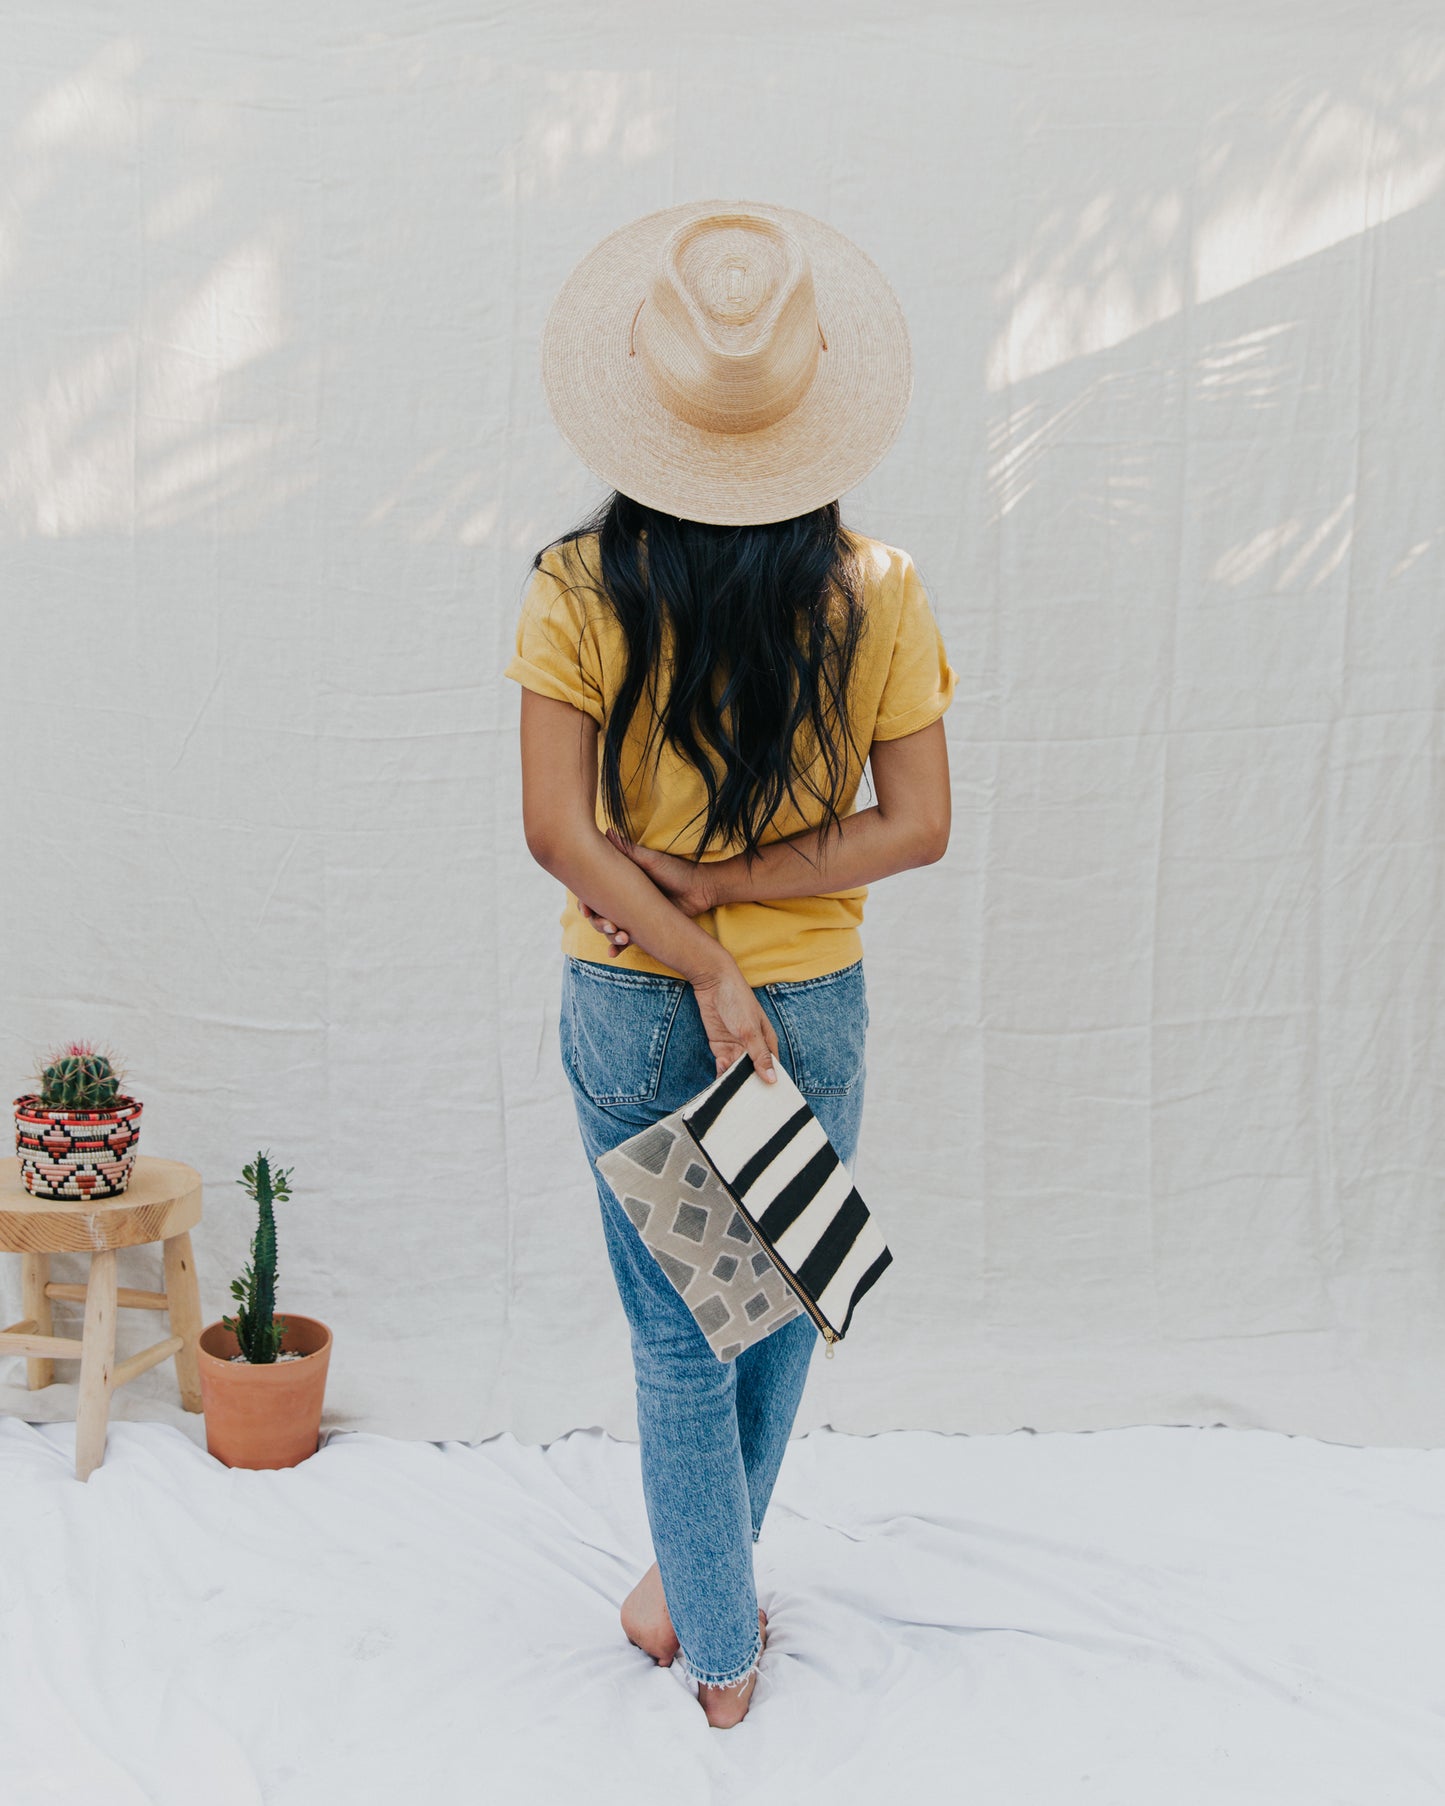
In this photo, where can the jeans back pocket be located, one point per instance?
(613, 1029)
(826, 1022)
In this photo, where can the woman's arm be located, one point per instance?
(559, 788)
(559, 802)
(907, 827)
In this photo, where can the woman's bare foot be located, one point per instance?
(648, 1623)
(727, 1706)
(646, 1619)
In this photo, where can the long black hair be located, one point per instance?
(774, 613)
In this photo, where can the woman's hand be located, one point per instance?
(734, 1019)
(685, 882)
(616, 937)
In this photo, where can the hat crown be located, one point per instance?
(728, 332)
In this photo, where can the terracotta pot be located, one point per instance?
(76, 1153)
(267, 1415)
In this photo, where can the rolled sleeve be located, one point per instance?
(920, 682)
(557, 653)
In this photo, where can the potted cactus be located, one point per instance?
(263, 1377)
(76, 1133)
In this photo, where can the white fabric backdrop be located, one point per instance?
(273, 459)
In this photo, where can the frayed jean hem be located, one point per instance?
(726, 1677)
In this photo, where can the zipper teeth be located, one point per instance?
(799, 1290)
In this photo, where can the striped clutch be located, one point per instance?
(747, 1208)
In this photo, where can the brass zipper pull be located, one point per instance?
(830, 1339)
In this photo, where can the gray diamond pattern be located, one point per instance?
(691, 1221)
(712, 1314)
(678, 1271)
(653, 1148)
(699, 1238)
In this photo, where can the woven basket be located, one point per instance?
(76, 1153)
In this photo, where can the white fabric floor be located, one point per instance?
(1114, 1617)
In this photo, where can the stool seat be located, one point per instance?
(162, 1199)
(162, 1204)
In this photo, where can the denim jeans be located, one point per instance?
(712, 1433)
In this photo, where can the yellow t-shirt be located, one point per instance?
(570, 646)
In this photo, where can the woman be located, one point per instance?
(706, 663)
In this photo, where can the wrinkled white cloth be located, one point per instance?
(1199, 1616)
(1152, 1123)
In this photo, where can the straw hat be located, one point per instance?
(728, 361)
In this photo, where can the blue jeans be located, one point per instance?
(712, 1433)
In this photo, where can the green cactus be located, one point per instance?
(76, 1077)
(257, 1329)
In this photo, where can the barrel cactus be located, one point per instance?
(77, 1077)
(76, 1128)
(258, 1330)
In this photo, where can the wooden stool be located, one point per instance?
(162, 1203)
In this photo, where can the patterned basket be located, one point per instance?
(76, 1153)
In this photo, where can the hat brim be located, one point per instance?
(608, 413)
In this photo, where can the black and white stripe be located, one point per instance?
(772, 1153)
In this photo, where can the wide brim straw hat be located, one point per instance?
(728, 361)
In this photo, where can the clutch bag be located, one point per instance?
(749, 1211)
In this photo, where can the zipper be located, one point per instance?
(825, 1329)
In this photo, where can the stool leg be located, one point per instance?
(97, 1359)
(34, 1277)
(183, 1300)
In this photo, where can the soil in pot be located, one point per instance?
(269, 1414)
